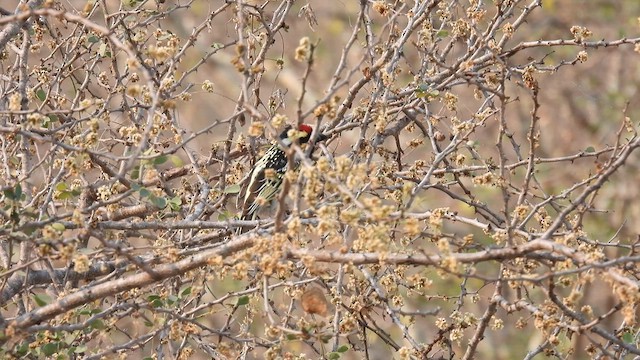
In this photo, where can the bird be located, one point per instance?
(265, 179)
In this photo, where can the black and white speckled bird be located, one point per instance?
(262, 186)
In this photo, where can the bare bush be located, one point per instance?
(469, 202)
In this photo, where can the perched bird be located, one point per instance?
(265, 179)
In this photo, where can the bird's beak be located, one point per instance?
(321, 137)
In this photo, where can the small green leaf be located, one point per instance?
(172, 299)
(160, 160)
(176, 200)
(175, 203)
(104, 50)
(9, 194)
(333, 355)
(325, 338)
(23, 349)
(186, 291)
(159, 202)
(58, 226)
(41, 94)
(442, 33)
(41, 299)
(224, 215)
(426, 91)
(243, 300)
(232, 189)
(97, 324)
(65, 195)
(80, 349)
(49, 349)
(292, 337)
(590, 149)
(628, 337)
(62, 186)
(343, 348)
(93, 39)
(144, 192)
(176, 160)
(135, 173)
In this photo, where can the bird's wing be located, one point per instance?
(261, 189)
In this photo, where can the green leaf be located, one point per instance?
(590, 149)
(58, 226)
(224, 215)
(49, 349)
(160, 160)
(232, 189)
(186, 291)
(23, 349)
(97, 324)
(15, 193)
(159, 202)
(442, 33)
(135, 173)
(41, 299)
(65, 195)
(243, 300)
(292, 337)
(175, 202)
(426, 91)
(104, 50)
(176, 160)
(172, 299)
(333, 355)
(144, 192)
(9, 194)
(80, 349)
(343, 348)
(41, 94)
(325, 338)
(628, 337)
(62, 186)
(93, 39)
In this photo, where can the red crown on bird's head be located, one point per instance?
(306, 128)
(302, 138)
